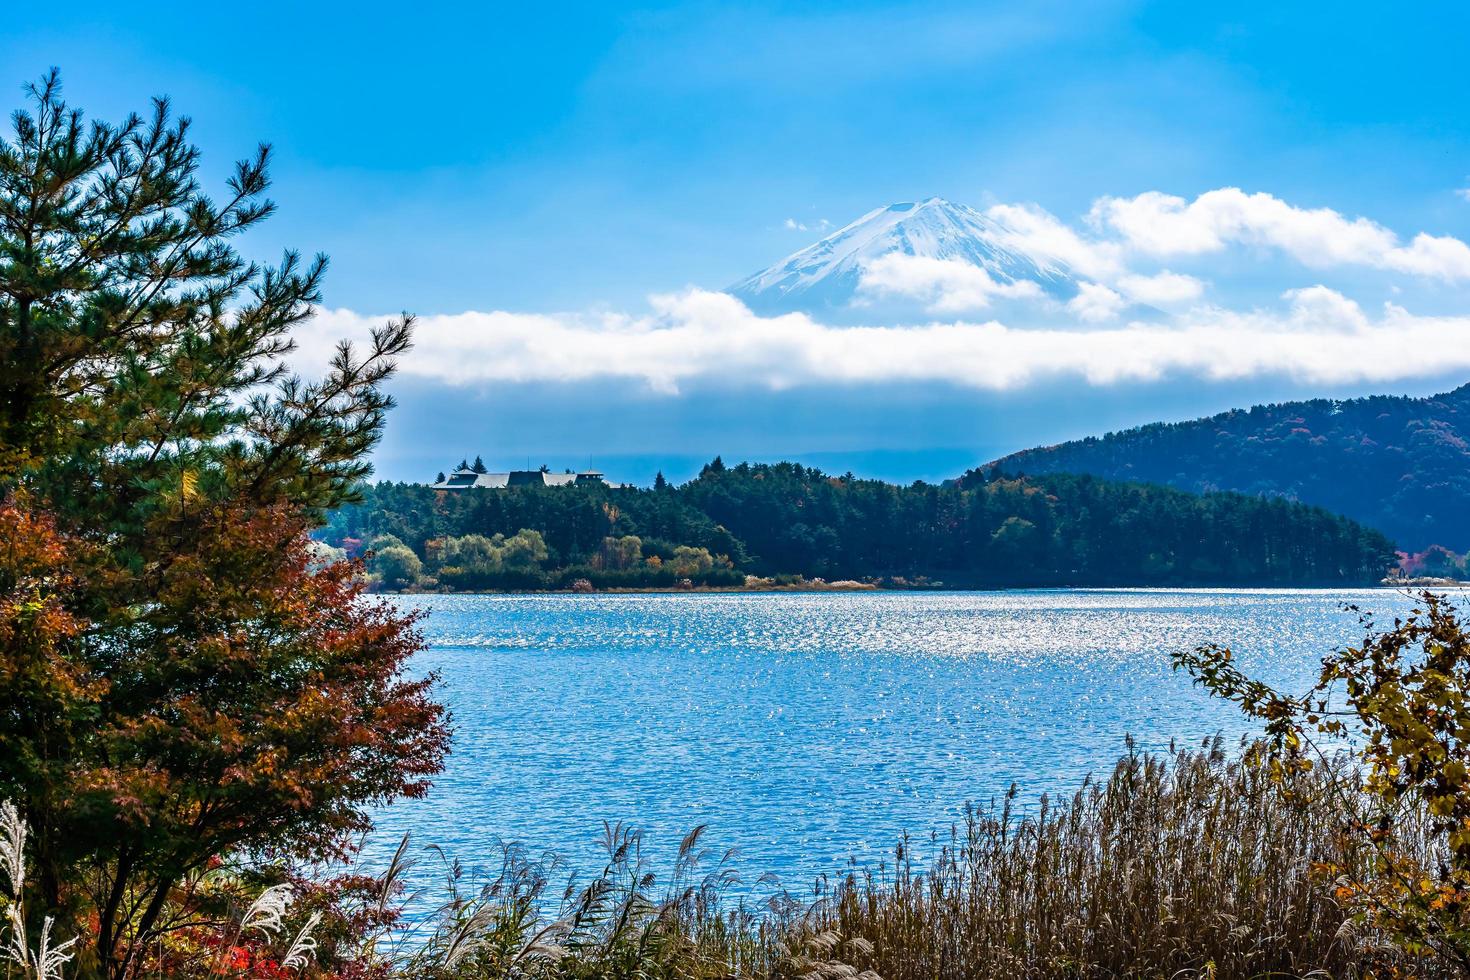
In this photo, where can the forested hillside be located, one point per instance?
(793, 520)
(1401, 465)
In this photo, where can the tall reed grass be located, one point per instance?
(1194, 864)
(1190, 864)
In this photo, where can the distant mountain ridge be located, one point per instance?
(827, 275)
(1395, 463)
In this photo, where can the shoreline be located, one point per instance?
(676, 590)
(1426, 582)
(865, 589)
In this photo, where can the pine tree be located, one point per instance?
(479, 466)
(659, 483)
(193, 685)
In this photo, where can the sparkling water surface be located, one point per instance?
(809, 730)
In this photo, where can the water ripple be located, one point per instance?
(811, 728)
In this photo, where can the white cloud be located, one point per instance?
(1314, 334)
(1323, 310)
(1435, 256)
(791, 224)
(1034, 231)
(1161, 289)
(1463, 193)
(1096, 303)
(1163, 225)
(1319, 337)
(1112, 255)
(943, 285)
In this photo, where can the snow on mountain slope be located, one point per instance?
(829, 276)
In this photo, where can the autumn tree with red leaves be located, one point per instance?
(178, 681)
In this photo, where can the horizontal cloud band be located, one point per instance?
(699, 337)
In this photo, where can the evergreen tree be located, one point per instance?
(479, 466)
(784, 519)
(659, 483)
(182, 681)
(464, 464)
(1396, 463)
(440, 477)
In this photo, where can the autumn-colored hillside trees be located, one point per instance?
(178, 680)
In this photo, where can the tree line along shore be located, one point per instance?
(782, 524)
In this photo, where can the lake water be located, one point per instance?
(812, 729)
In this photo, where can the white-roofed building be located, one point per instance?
(468, 479)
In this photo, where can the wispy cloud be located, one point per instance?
(1096, 303)
(1161, 289)
(821, 224)
(943, 285)
(1037, 232)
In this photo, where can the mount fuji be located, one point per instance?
(834, 276)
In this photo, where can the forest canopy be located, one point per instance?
(786, 519)
(1401, 465)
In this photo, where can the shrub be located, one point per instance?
(396, 566)
(1402, 698)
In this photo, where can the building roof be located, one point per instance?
(464, 479)
(469, 479)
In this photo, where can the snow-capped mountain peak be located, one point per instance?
(828, 276)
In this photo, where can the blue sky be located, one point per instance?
(576, 159)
